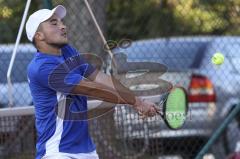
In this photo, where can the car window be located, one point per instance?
(229, 47)
(174, 54)
(4, 62)
(19, 71)
(233, 54)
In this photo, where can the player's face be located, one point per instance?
(54, 31)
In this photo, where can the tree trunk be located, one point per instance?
(82, 31)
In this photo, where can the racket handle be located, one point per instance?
(160, 113)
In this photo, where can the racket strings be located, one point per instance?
(175, 108)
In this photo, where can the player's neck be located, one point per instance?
(50, 49)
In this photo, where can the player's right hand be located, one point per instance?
(146, 108)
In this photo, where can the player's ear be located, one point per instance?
(39, 36)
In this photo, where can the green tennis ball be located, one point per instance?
(218, 58)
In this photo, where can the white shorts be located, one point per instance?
(60, 155)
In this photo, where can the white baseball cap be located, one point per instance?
(40, 16)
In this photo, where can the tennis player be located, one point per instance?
(58, 72)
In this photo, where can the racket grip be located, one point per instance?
(159, 112)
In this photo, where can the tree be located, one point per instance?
(11, 12)
(162, 18)
(81, 29)
(131, 19)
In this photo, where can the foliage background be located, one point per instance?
(141, 19)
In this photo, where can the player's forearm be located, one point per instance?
(115, 84)
(104, 79)
(105, 93)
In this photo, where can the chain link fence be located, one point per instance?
(181, 35)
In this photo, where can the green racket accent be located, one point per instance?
(176, 108)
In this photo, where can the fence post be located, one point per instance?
(218, 132)
(48, 4)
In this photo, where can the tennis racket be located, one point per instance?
(174, 102)
(175, 108)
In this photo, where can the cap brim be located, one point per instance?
(60, 11)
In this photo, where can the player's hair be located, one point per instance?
(34, 43)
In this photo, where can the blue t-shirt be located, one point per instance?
(60, 115)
